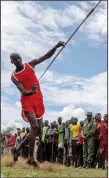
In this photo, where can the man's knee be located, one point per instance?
(35, 128)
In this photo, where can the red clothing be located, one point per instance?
(104, 139)
(12, 140)
(97, 134)
(32, 103)
(80, 139)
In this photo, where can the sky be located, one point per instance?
(77, 81)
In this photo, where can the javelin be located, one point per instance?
(71, 37)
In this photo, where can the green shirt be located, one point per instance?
(89, 128)
(44, 132)
(60, 135)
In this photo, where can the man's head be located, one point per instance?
(18, 132)
(105, 117)
(52, 125)
(75, 120)
(27, 130)
(71, 121)
(23, 129)
(81, 123)
(55, 124)
(15, 134)
(16, 59)
(98, 117)
(46, 123)
(89, 116)
(59, 120)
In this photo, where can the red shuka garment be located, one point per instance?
(104, 139)
(32, 103)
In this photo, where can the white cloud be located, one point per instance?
(96, 26)
(62, 90)
(23, 31)
(85, 5)
(10, 113)
(66, 113)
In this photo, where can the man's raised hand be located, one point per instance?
(60, 44)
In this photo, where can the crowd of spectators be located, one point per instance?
(78, 144)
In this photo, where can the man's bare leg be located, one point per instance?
(32, 136)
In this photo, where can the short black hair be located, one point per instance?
(15, 55)
(89, 114)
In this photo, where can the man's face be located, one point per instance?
(52, 125)
(59, 120)
(23, 129)
(46, 123)
(75, 121)
(18, 132)
(105, 118)
(72, 120)
(98, 117)
(81, 123)
(16, 61)
(89, 117)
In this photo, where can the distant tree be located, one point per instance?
(9, 130)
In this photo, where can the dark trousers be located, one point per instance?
(43, 151)
(66, 153)
(60, 155)
(51, 151)
(80, 155)
(96, 156)
(74, 153)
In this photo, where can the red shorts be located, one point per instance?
(35, 106)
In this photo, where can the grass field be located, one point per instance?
(66, 172)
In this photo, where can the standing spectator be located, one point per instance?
(66, 143)
(75, 130)
(26, 145)
(97, 156)
(104, 140)
(88, 134)
(44, 141)
(80, 146)
(23, 133)
(51, 147)
(18, 141)
(12, 140)
(60, 140)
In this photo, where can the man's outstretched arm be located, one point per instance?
(50, 53)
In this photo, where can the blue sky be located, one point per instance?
(77, 80)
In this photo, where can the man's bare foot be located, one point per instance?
(31, 161)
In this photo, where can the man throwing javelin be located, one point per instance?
(26, 81)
